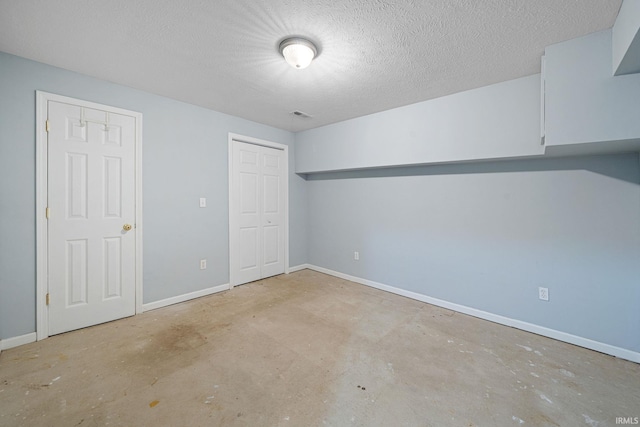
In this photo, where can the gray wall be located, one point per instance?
(626, 39)
(585, 103)
(184, 158)
(496, 121)
(486, 235)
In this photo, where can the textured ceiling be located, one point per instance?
(222, 54)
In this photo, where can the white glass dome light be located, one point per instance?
(298, 52)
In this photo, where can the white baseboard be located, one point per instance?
(518, 324)
(300, 267)
(8, 343)
(184, 297)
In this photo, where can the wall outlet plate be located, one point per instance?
(543, 294)
(356, 255)
(203, 264)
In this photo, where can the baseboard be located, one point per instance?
(8, 343)
(299, 267)
(518, 324)
(185, 297)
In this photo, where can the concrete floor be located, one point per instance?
(305, 350)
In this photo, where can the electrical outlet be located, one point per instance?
(543, 294)
(203, 264)
(356, 255)
(203, 202)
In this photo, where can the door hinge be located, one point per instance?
(46, 125)
(47, 212)
(47, 298)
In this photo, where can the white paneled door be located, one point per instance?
(91, 199)
(258, 212)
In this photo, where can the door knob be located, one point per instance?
(126, 227)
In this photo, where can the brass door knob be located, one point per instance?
(126, 227)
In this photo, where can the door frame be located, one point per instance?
(233, 244)
(42, 182)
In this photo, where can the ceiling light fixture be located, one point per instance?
(298, 52)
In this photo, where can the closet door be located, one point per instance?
(257, 206)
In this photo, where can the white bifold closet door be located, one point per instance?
(258, 207)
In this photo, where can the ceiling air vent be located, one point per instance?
(301, 114)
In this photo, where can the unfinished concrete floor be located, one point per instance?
(309, 349)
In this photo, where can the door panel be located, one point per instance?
(258, 208)
(91, 195)
(245, 190)
(77, 206)
(113, 267)
(77, 269)
(271, 194)
(248, 193)
(273, 208)
(249, 254)
(271, 249)
(113, 185)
